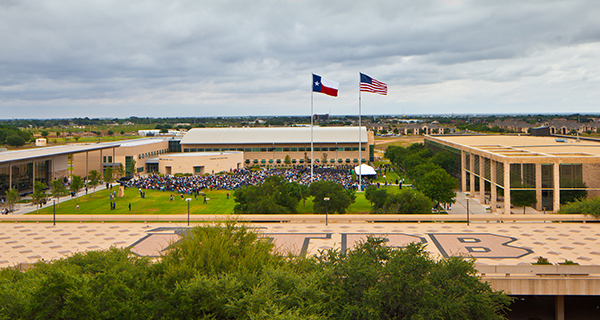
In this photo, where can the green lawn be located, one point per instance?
(157, 202)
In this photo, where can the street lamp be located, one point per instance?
(188, 201)
(326, 199)
(467, 210)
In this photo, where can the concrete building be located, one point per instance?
(493, 165)
(138, 150)
(198, 163)
(19, 169)
(270, 146)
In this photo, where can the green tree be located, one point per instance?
(76, 185)
(522, 198)
(275, 195)
(39, 194)
(567, 196)
(12, 197)
(374, 281)
(58, 189)
(287, 160)
(582, 206)
(94, 179)
(119, 171)
(407, 201)
(45, 134)
(131, 167)
(15, 140)
(438, 186)
(377, 197)
(108, 175)
(339, 198)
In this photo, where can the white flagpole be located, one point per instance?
(359, 138)
(311, 133)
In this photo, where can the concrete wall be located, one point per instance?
(208, 163)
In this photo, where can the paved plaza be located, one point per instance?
(490, 243)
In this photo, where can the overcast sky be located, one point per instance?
(239, 57)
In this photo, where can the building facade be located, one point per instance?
(332, 146)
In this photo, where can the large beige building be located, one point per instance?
(270, 146)
(198, 163)
(493, 165)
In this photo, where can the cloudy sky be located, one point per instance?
(238, 57)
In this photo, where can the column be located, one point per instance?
(463, 171)
(493, 192)
(559, 308)
(538, 186)
(506, 187)
(481, 180)
(556, 187)
(33, 184)
(472, 176)
(10, 175)
(86, 164)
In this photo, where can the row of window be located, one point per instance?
(295, 161)
(301, 149)
(152, 153)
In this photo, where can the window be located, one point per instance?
(255, 150)
(200, 149)
(270, 160)
(247, 149)
(104, 159)
(278, 149)
(355, 160)
(332, 160)
(293, 160)
(362, 148)
(347, 149)
(364, 160)
(355, 149)
(340, 160)
(255, 161)
(286, 149)
(110, 159)
(340, 149)
(186, 150)
(263, 161)
(278, 160)
(263, 149)
(271, 149)
(317, 149)
(293, 149)
(347, 160)
(247, 160)
(301, 160)
(193, 150)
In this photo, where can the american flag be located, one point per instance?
(369, 84)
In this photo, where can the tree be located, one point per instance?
(12, 197)
(119, 171)
(324, 158)
(110, 132)
(39, 194)
(108, 175)
(374, 281)
(273, 196)
(522, 198)
(339, 198)
(94, 179)
(407, 201)
(287, 160)
(582, 206)
(76, 137)
(58, 189)
(377, 197)
(15, 140)
(45, 134)
(76, 185)
(567, 196)
(438, 186)
(131, 167)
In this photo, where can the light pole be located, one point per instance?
(467, 210)
(326, 199)
(188, 200)
(53, 212)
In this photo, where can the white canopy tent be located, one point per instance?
(365, 170)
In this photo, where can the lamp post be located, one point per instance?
(188, 200)
(54, 212)
(326, 199)
(467, 210)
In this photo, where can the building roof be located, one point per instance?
(140, 142)
(27, 154)
(274, 135)
(526, 146)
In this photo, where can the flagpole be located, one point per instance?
(359, 138)
(311, 134)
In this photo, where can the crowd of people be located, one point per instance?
(245, 177)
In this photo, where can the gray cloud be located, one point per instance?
(176, 58)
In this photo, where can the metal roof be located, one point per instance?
(19, 155)
(274, 135)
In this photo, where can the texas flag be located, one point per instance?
(325, 86)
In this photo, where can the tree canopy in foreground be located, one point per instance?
(228, 272)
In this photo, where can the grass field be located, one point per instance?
(157, 202)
